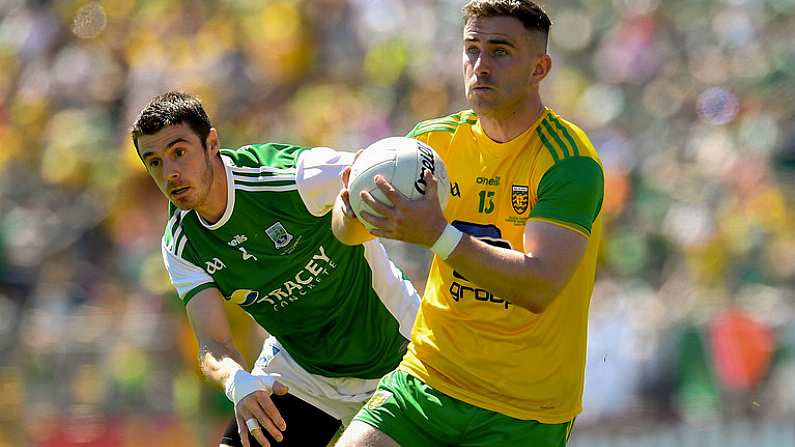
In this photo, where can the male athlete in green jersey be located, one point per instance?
(253, 226)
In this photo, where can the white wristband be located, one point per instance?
(241, 384)
(447, 242)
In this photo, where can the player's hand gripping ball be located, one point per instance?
(401, 161)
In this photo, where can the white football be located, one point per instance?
(401, 161)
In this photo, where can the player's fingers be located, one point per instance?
(279, 388)
(389, 191)
(347, 209)
(265, 424)
(271, 411)
(378, 222)
(259, 435)
(242, 430)
(378, 207)
(431, 185)
(377, 232)
(346, 175)
(356, 156)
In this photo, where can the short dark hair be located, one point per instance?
(529, 13)
(169, 109)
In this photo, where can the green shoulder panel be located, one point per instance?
(571, 191)
(274, 155)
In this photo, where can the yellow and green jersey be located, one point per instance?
(481, 348)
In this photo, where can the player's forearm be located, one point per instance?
(220, 361)
(346, 228)
(512, 275)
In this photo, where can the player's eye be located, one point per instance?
(500, 52)
(473, 50)
(154, 162)
(179, 152)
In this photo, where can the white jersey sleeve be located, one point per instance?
(319, 177)
(185, 276)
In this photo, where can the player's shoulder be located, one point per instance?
(445, 125)
(561, 139)
(269, 155)
(267, 167)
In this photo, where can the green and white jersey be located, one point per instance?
(340, 311)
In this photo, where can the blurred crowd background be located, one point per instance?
(691, 105)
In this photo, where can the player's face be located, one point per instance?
(499, 60)
(179, 164)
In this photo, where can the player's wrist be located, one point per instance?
(447, 241)
(242, 383)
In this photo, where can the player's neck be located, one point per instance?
(215, 204)
(504, 127)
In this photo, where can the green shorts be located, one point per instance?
(416, 415)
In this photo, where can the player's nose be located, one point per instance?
(482, 65)
(171, 171)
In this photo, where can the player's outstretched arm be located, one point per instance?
(221, 362)
(344, 224)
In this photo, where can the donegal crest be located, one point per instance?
(519, 198)
(377, 399)
(279, 235)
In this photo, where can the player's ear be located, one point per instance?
(212, 143)
(542, 68)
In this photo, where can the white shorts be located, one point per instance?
(340, 397)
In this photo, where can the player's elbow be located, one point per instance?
(348, 230)
(350, 236)
(343, 232)
(539, 296)
(534, 302)
(341, 235)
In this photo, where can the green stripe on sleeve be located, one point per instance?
(445, 124)
(262, 174)
(239, 181)
(419, 131)
(566, 134)
(547, 145)
(192, 292)
(563, 149)
(440, 121)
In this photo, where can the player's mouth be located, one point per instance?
(176, 193)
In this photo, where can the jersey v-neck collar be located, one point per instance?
(230, 197)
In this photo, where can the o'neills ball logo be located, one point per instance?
(427, 162)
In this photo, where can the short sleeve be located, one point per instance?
(319, 177)
(186, 277)
(570, 194)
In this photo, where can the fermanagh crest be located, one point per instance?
(279, 235)
(519, 198)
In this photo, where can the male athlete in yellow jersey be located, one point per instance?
(497, 352)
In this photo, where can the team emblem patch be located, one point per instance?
(519, 198)
(378, 398)
(279, 235)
